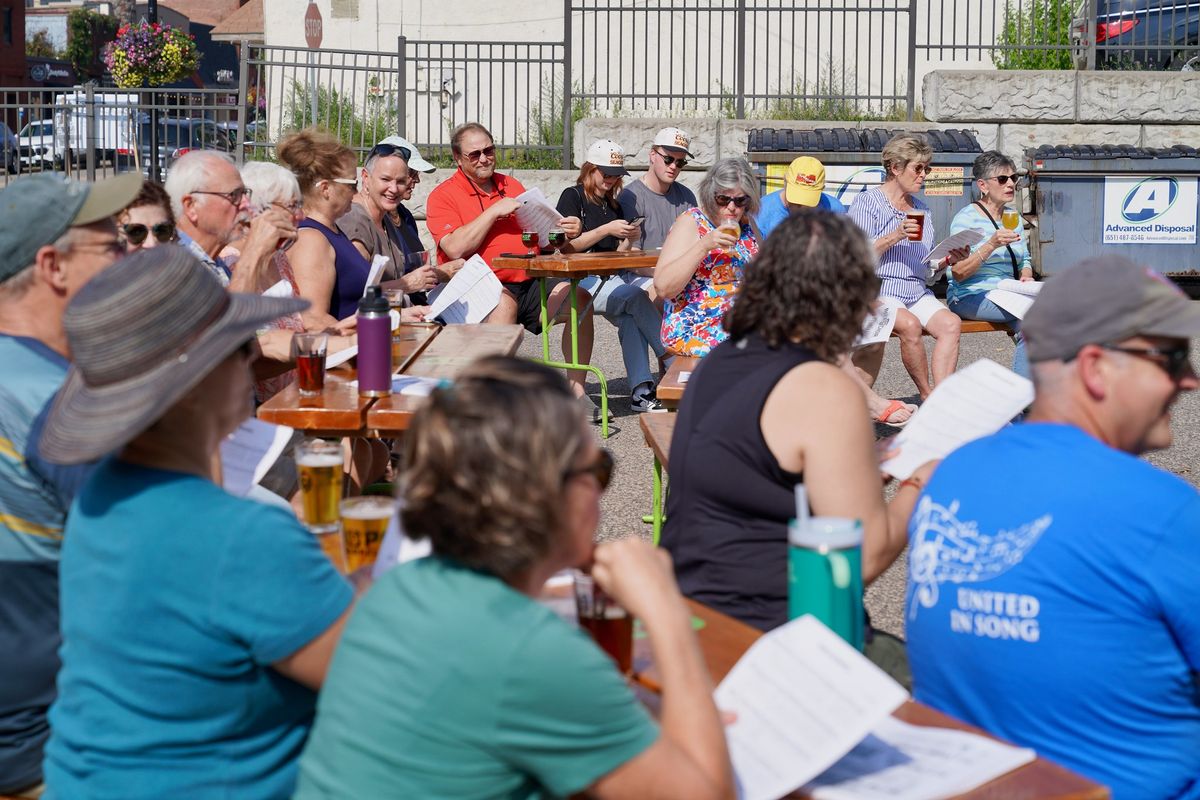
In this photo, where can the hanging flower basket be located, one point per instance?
(150, 55)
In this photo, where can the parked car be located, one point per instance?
(1142, 34)
(36, 147)
(176, 138)
(9, 149)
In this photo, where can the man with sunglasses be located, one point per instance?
(55, 236)
(656, 195)
(1052, 573)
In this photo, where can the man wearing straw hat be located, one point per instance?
(55, 235)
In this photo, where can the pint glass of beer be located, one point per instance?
(364, 521)
(917, 216)
(320, 466)
(609, 625)
(308, 350)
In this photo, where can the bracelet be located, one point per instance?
(914, 481)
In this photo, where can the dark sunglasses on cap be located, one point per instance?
(383, 150)
(671, 161)
(1176, 361)
(601, 469)
(740, 201)
(136, 233)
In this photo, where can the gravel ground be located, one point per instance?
(628, 497)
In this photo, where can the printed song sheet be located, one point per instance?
(803, 699)
(378, 265)
(469, 296)
(341, 356)
(877, 327)
(899, 761)
(965, 238)
(974, 402)
(1015, 297)
(537, 213)
(248, 452)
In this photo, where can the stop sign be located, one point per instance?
(313, 27)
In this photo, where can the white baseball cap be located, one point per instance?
(608, 156)
(416, 162)
(674, 139)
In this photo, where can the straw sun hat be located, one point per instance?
(143, 333)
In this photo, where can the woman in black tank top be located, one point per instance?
(769, 408)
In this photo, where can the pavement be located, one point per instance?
(628, 496)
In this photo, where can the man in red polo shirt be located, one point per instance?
(472, 212)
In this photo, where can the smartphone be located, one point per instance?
(637, 221)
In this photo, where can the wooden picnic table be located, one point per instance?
(422, 349)
(670, 388)
(724, 639)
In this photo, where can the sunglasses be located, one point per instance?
(475, 155)
(136, 233)
(1003, 179)
(1176, 360)
(344, 181)
(601, 469)
(921, 169)
(384, 150)
(234, 197)
(671, 161)
(741, 201)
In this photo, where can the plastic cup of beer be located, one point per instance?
(1010, 219)
(364, 521)
(319, 464)
(609, 624)
(917, 216)
(308, 350)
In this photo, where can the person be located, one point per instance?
(55, 235)
(803, 187)
(196, 626)
(1003, 253)
(881, 212)
(658, 196)
(621, 298)
(740, 445)
(402, 218)
(474, 213)
(148, 220)
(210, 204)
(702, 264)
(1061, 614)
(503, 477)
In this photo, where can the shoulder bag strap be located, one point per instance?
(1011, 254)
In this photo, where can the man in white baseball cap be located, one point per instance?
(656, 196)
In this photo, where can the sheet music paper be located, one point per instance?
(878, 325)
(1014, 303)
(340, 357)
(965, 238)
(803, 698)
(1028, 288)
(899, 761)
(411, 385)
(378, 264)
(976, 401)
(248, 452)
(469, 297)
(537, 213)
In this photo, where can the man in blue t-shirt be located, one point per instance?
(55, 235)
(803, 187)
(1052, 589)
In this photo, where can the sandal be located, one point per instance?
(885, 416)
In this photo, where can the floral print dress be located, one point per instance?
(692, 319)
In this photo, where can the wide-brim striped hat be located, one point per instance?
(142, 334)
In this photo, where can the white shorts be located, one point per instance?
(926, 306)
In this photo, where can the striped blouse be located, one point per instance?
(902, 267)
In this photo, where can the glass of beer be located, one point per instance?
(364, 521)
(530, 240)
(319, 464)
(308, 351)
(1010, 219)
(609, 624)
(917, 216)
(558, 238)
(732, 227)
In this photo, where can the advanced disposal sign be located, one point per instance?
(1155, 210)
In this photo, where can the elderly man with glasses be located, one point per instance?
(1052, 586)
(656, 195)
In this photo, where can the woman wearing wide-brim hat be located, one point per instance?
(196, 625)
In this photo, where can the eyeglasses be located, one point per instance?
(1176, 360)
(671, 161)
(292, 208)
(1003, 179)
(136, 233)
(234, 197)
(111, 247)
(475, 155)
(601, 469)
(741, 201)
(921, 169)
(383, 150)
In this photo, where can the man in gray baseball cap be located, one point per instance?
(1052, 573)
(55, 235)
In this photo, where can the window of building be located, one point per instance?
(6, 14)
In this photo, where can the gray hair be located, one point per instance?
(270, 183)
(728, 173)
(987, 162)
(18, 284)
(190, 174)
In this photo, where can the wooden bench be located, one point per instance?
(658, 430)
(979, 326)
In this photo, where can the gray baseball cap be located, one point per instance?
(1105, 300)
(36, 210)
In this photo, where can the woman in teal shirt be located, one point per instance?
(1002, 254)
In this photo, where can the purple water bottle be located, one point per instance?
(374, 344)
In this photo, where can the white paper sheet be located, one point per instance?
(1029, 288)
(248, 452)
(899, 761)
(976, 401)
(411, 385)
(685, 375)
(281, 289)
(878, 325)
(537, 213)
(378, 264)
(397, 548)
(803, 698)
(469, 296)
(340, 357)
(1013, 302)
(964, 238)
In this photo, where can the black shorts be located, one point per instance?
(529, 302)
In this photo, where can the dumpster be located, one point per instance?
(1136, 202)
(853, 162)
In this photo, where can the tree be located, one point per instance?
(40, 46)
(87, 33)
(1043, 23)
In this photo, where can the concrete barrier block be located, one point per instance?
(1139, 97)
(1170, 135)
(1016, 138)
(950, 96)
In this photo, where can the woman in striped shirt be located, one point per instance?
(902, 245)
